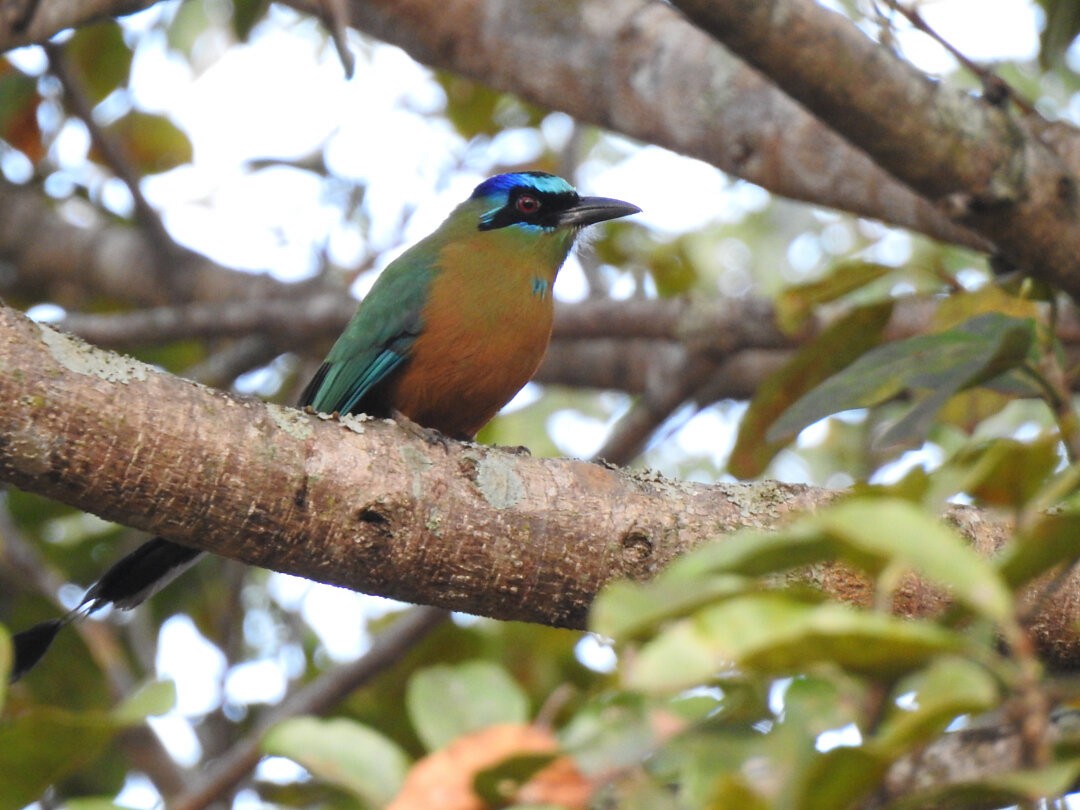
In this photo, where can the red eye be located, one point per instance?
(527, 204)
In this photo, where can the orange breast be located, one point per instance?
(482, 339)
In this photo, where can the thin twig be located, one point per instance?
(336, 18)
(995, 88)
(168, 252)
(317, 698)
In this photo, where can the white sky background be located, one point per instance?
(284, 95)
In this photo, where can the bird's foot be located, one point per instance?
(429, 435)
(517, 449)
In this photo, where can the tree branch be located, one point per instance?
(26, 22)
(983, 163)
(365, 505)
(640, 68)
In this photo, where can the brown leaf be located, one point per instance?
(444, 779)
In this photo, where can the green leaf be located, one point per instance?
(445, 702)
(841, 344)
(100, 58)
(772, 633)
(149, 700)
(754, 553)
(100, 803)
(732, 790)
(1058, 31)
(152, 143)
(18, 112)
(613, 732)
(1051, 541)
(930, 367)
(948, 688)
(886, 532)
(246, 13)
(837, 779)
(795, 305)
(44, 745)
(499, 783)
(672, 270)
(475, 109)
(626, 610)
(1006, 472)
(999, 790)
(343, 753)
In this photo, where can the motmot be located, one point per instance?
(449, 333)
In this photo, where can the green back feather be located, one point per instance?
(377, 339)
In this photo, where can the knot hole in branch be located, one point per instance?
(637, 547)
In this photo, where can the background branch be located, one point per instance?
(984, 164)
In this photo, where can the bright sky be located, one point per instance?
(284, 95)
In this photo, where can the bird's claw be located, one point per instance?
(429, 435)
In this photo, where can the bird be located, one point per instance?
(450, 331)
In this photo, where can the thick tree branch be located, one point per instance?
(365, 505)
(982, 162)
(639, 68)
(67, 251)
(463, 527)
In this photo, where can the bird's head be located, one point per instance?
(540, 202)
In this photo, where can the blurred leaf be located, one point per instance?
(834, 349)
(625, 610)
(884, 532)
(955, 309)
(1006, 472)
(475, 109)
(344, 753)
(307, 794)
(772, 633)
(189, 23)
(948, 688)
(731, 790)
(752, 553)
(932, 367)
(1060, 28)
(968, 409)
(246, 13)
(152, 143)
(18, 112)
(100, 58)
(149, 700)
(838, 778)
(94, 804)
(1051, 541)
(997, 790)
(470, 106)
(671, 269)
(42, 746)
(446, 702)
(613, 732)
(795, 305)
(498, 784)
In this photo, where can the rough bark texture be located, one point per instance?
(358, 504)
(369, 506)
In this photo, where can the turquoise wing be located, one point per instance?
(376, 342)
